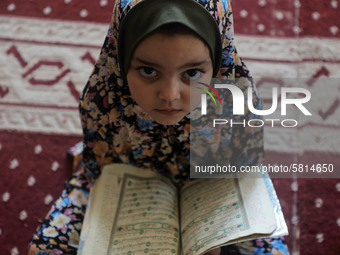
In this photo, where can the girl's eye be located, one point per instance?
(148, 72)
(192, 74)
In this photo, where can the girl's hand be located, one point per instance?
(214, 252)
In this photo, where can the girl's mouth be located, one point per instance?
(168, 111)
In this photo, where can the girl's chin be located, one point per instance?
(168, 120)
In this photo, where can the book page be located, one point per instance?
(219, 211)
(147, 218)
(103, 203)
(257, 203)
(282, 229)
(210, 210)
(100, 214)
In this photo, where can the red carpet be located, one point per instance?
(34, 167)
(47, 50)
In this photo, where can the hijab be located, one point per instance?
(149, 15)
(117, 130)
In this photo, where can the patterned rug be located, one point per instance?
(47, 51)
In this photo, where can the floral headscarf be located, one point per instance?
(117, 130)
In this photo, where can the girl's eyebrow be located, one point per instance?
(195, 64)
(145, 62)
(186, 65)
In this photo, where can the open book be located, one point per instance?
(137, 211)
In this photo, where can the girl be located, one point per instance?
(135, 106)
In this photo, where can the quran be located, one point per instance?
(138, 211)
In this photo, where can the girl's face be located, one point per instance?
(160, 72)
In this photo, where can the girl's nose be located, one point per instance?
(170, 90)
